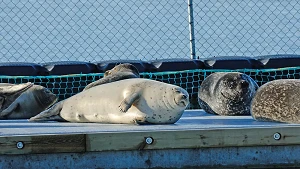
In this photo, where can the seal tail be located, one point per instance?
(50, 114)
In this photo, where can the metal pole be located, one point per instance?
(191, 29)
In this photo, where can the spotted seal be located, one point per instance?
(119, 72)
(277, 101)
(32, 101)
(139, 101)
(227, 93)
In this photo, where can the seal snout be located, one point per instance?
(181, 97)
(184, 100)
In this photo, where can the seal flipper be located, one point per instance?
(128, 101)
(50, 114)
(9, 109)
(138, 122)
(203, 105)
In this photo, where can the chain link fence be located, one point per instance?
(80, 30)
(246, 28)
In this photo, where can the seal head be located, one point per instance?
(124, 67)
(44, 96)
(235, 88)
(181, 97)
(227, 93)
(119, 72)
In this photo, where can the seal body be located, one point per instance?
(29, 103)
(119, 72)
(277, 100)
(10, 92)
(140, 101)
(227, 93)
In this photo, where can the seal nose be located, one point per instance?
(244, 84)
(184, 97)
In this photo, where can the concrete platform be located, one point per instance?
(191, 120)
(197, 140)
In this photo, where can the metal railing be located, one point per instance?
(44, 31)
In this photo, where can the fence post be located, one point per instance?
(191, 29)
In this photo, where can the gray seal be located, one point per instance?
(277, 101)
(227, 93)
(10, 92)
(31, 102)
(139, 101)
(119, 72)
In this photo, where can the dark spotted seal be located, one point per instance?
(31, 102)
(278, 101)
(119, 72)
(140, 101)
(227, 93)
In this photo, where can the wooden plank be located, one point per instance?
(43, 144)
(192, 139)
(162, 140)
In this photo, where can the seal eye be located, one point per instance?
(177, 91)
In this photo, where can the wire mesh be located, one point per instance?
(246, 28)
(80, 30)
(69, 85)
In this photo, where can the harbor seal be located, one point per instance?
(31, 102)
(129, 101)
(227, 93)
(119, 72)
(277, 101)
(10, 92)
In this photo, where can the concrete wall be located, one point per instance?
(230, 157)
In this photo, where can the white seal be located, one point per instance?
(138, 100)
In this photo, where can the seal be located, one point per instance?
(31, 102)
(277, 101)
(129, 101)
(119, 72)
(10, 92)
(227, 93)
